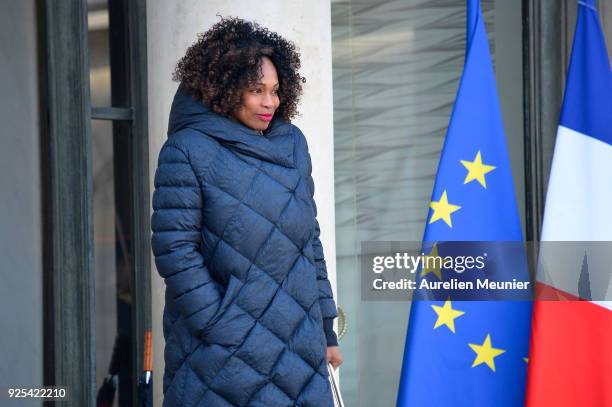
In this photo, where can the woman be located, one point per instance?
(249, 309)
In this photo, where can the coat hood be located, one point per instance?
(275, 145)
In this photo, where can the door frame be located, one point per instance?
(66, 157)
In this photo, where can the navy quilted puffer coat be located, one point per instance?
(236, 239)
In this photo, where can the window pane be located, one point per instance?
(99, 53)
(112, 223)
(606, 15)
(396, 67)
(112, 259)
(107, 302)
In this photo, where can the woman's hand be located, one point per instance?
(334, 356)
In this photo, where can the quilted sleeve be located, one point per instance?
(326, 299)
(176, 225)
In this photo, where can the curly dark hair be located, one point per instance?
(226, 59)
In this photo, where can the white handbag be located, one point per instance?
(333, 382)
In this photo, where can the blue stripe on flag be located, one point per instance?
(587, 106)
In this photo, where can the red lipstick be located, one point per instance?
(265, 117)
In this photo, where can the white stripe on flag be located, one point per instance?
(605, 304)
(579, 198)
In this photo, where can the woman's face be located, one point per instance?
(260, 100)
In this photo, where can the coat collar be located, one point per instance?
(275, 145)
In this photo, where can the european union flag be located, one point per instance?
(470, 353)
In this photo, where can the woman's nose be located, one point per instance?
(268, 100)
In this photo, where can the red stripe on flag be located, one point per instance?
(570, 357)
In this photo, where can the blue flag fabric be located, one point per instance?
(470, 353)
(587, 108)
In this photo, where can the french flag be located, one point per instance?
(570, 362)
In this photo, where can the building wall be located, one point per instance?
(21, 309)
(173, 26)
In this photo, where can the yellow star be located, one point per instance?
(477, 170)
(526, 360)
(485, 353)
(446, 315)
(442, 210)
(433, 262)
